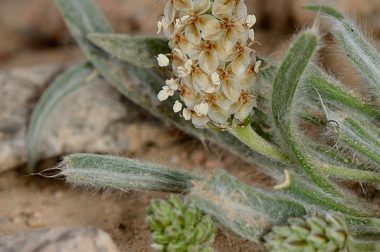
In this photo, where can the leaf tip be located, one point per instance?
(325, 10)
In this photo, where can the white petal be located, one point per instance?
(201, 109)
(182, 72)
(159, 27)
(215, 78)
(193, 34)
(231, 89)
(188, 96)
(240, 63)
(186, 114)
(177, 106)
(258, 65)
(251, 35)
(172, 84)
(210, 27)
(163, 60)
(222, 8)
(183, 5)
(217, 115)
(220, 51)
(244, 111)
(250, 20)
(248, 79)
(201, 6)
(199, 121)
(202, 80)
(169, 11)
(229, 39)
(163, 95)
(240, 10)
(209, 62)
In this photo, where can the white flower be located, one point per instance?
(186, 114)
(250, 20)
(185, 70)
(215, 78)
(177, 106)
(201, 109)
(258, 65)
(159, 27)
(251, 35)
(165, 93)
(172, 84)
(163, 60)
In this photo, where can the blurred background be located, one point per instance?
(35, 47)
(32, 31)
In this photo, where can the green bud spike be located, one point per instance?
(178, 227)
(316, 233)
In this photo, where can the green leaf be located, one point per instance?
(108, 172)
(357, 48)
(83, 17)
(357, 137)
(325, 10)
(64, 85)
(246, 210)
(283, 99)
(313, 196)
(333, 91)
(139, 51)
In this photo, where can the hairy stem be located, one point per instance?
(249, 137)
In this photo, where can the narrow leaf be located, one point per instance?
(357, 48)
(139, 51)
(246, 210)
(64, 85)
(334, 92)
(108, 172)
(283, 98)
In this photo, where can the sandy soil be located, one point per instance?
(30, 202)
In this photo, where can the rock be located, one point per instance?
(84, 239)
(95, 119)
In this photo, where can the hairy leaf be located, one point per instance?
(246, 210)
(108, 172)
(139, 51)
(357, 48)
(64, 85)
(283, 98)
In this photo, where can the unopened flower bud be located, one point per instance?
(163, 60)
(177, 107)
(186, 114)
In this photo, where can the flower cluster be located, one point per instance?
(214, 67)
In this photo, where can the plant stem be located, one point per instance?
(248, 136)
